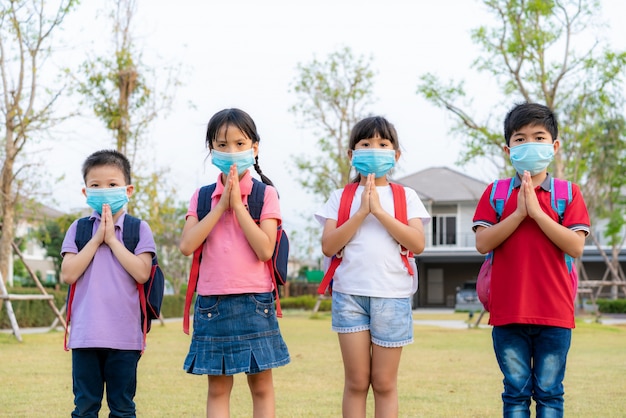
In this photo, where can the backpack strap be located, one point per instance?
(256, 199)
(84, 231)
(342, 216)
(255, 207)
(130, 232)
(560, 197)
(500, 193)
(130, 237)
(400, 213)
(205, 195)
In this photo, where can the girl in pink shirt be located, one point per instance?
(235, 328)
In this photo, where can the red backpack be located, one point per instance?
(560, 197)
(399, 205)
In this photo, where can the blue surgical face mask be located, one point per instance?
(115, 197)
(375, 160)
(533, 157)
(223, 160)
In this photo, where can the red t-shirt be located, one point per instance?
(530, 283)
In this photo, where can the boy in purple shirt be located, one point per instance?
(106, 337)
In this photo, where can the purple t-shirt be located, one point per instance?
(105, 311)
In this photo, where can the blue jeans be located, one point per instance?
(92, 368)
(532, 359)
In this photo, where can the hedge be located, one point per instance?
(37, 313)
(611, 306)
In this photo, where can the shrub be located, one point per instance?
(37, 313)
(305, 302)
(614, 306)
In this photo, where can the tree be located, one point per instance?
(26, 32)
(121, 90)
(124, 94)
(530, 52)
(166, 217)
(332, 96)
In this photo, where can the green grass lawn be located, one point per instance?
(445, 373)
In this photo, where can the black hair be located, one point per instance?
(242, 121)
(533, 114)
(371, 127)
(107, 157)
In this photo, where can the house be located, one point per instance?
(450, 258)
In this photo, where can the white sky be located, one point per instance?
(244, 53)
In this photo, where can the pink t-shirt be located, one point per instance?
(229, 265)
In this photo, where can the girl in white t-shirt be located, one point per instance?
(372, 288)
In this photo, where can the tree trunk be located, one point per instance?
(7, 202)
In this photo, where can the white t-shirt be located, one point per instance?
(372, 265)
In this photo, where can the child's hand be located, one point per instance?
(235, 190)
(375, 206)
(109, 226)
(98, 237)
(365, 198)
(532, 203)
(224, 203)
(521, 201)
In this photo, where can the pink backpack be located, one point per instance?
(561, 196)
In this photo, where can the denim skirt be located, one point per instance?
(234, 334)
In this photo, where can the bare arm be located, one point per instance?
(335, 238)
(195, 232)
(74, 265)
(262, 238)
(410, 236)
(570, 242)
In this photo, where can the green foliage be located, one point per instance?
(333, 95)
(27, 105)
(535, 52)
(33, 313)
(611, 306)
(154, 201)
(37, 313)
(123, 93)
(305, 302)
(51, 234)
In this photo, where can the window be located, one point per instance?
(444, 230)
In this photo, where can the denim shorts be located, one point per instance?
(234, 334)
(389, 320)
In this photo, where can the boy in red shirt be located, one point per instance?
(532, 306)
